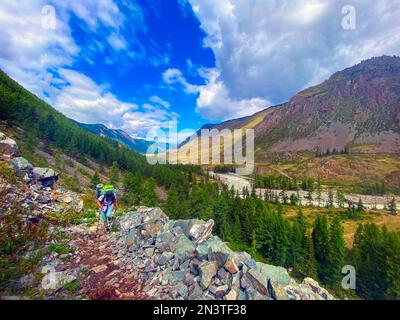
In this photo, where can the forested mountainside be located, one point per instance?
(39, 120)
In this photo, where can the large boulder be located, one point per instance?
(8, 147)
(263, 278)
(129, 221)
(43, 173)
(21, 166)
(278, 275)
(196, 230)
(214, 249)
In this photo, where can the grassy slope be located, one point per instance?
(348, 173)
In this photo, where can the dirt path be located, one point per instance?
(105, 276)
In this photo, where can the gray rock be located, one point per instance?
(278, 275)
(43, 173)
(182, 290)
(165, 241)
(8, 147)
(165, 258)
(56, 280)
(223, 274)
(176, 277)
(194, 266)
(214, 249)
(184, 248)
(196, 230)
(208, 270)
(21, 166)
(241, 295)
(244, 259)
(195, 292)
(130, 238)
(149, 251)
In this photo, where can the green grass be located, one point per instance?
(73, 286)
(61, 248)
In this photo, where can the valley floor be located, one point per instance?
(369, 202)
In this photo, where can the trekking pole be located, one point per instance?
(98, 221)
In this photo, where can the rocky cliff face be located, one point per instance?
(183, 260)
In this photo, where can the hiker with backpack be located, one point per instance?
(106, 199)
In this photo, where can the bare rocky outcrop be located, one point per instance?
(8, 147)
(173, 264)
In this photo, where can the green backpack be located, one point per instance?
(106, 190)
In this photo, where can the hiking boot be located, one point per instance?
(108, 230)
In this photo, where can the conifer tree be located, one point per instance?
(114, 175)
(336, 254)
(320, 237)
(360, 206)
(149, 194)
(393, 207)
(95, 180)
(172, 205)
(392, 272)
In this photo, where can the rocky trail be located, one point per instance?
(105, 277)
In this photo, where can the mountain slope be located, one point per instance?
(41, 122)
(359, 106)
(139, 145)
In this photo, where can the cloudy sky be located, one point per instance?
(138, 64)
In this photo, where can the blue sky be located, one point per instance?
(138, 64)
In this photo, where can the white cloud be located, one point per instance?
(41, 60)
(174, 76)
(160, 101)
(118, 42)
(84, 100)
(214, 101)
(140, 123)
(272, 49)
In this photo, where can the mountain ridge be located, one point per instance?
(139, 145)
(358, 106)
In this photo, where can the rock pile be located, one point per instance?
(183, 260)
(29, 192)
